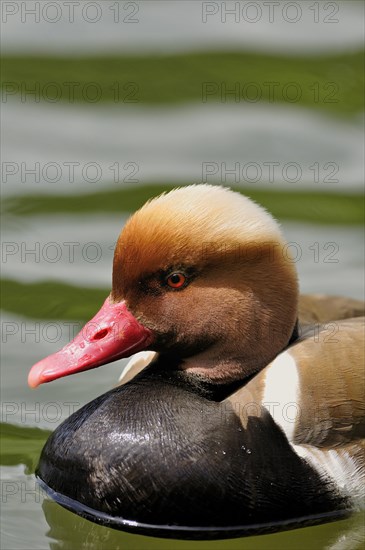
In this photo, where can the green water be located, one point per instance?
(46, 300)
(178, 78)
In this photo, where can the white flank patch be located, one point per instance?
(340, 467)
(281, 393)
(281, 398)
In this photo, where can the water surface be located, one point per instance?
(59, 237)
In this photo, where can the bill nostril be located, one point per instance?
(101, 334)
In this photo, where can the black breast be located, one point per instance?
(155, 452)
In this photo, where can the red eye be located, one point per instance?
(176, 280)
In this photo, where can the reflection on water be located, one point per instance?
(168, 143)
(71, 531)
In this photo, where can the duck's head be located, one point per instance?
(200, 273)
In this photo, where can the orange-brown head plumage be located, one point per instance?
(242, 284)
(190, 224)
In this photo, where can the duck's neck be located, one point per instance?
(230, 366)
(207, 374)
(170, 369)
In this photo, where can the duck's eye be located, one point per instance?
(176, 280)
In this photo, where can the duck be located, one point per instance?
(242, 410)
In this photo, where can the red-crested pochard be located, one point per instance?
(242, 420)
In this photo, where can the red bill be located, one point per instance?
(112, 334)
